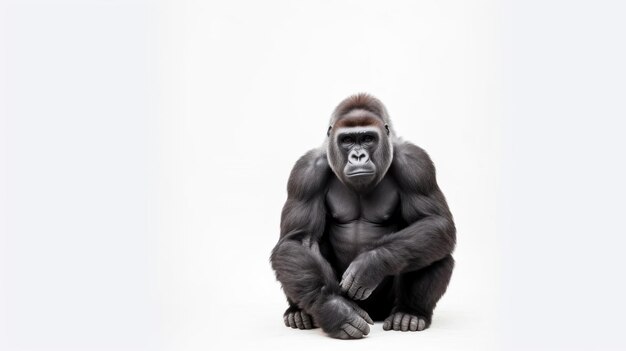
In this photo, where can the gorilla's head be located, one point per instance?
(359, 146)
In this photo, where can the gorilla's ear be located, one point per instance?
(386, 128)
(328, 131)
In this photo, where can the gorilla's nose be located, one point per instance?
(358, 157)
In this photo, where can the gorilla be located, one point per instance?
(365, 207)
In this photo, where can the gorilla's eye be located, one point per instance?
(347, 140)
(368, 139)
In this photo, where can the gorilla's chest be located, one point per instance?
(357, 220)
(376, 207)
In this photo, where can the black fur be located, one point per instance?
(352, 247)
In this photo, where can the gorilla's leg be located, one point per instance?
(417, 294)
(295, 317)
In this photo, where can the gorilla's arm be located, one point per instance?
(306, 276)
(429, 236)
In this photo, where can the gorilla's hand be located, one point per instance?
(343, 319)
(362, 276)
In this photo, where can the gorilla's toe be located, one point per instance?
(402, 321)
(298, 319)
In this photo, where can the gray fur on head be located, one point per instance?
(363, 101)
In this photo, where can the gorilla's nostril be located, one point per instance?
(362, 156)
(358, 157)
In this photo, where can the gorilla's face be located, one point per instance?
(359, 150)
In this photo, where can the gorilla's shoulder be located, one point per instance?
(310, 174)
(412, 167)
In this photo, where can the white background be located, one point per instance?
(145, 149)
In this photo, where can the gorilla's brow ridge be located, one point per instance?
(359, 121)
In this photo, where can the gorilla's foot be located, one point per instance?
(297, 318)
(405, 322)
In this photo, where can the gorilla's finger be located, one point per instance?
(346, 285)
(286, 320)
(361, 325)
(298, 319)
(292, 322)
(421, 324)
(366, 294)
(404, 324)
(361, 312)
(396, 321)
(306, 320)
(388, 322)
(353, 289)
(413, 324)
(359, 293)
(362, 296)
(352, 331)
(346, 282)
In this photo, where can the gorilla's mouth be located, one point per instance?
(359, 172)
